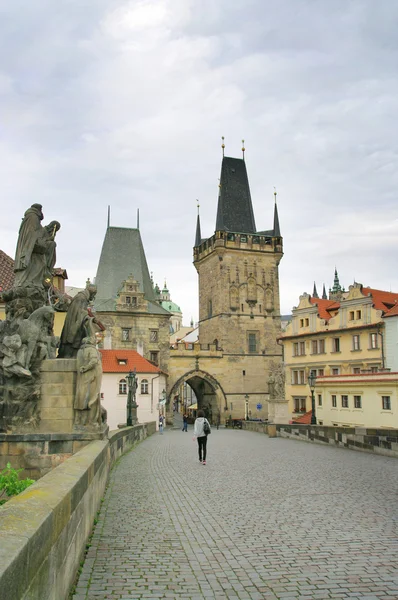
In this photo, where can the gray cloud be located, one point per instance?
(124, 103)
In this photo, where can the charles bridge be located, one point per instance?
(266, 518)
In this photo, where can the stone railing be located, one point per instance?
(44, 530)
(378, 441)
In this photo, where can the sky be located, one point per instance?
(124, 103)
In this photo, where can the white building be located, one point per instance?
(116, 364)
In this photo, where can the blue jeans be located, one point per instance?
(160, 428)
(185, 426)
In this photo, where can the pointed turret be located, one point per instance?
(336, 283)
(315, 292)
(198, 237)
(324, 295)
(277, 231)
(235, 210)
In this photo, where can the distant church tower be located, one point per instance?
(238, 278)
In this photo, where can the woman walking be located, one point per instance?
(201, 430)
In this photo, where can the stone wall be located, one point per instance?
(44, 530)
(378, 441)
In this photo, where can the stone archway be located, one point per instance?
(209, 393)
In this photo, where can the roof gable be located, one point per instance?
(123, 361)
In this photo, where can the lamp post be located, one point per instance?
(131, 403)
(246, 407)
(311, 383)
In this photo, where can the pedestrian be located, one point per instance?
(185, 422)
(161, 423)
(199, 429)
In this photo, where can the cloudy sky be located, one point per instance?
(125, 102)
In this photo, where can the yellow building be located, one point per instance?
(332, 337)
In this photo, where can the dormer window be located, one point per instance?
(122, 361)
(128, 299)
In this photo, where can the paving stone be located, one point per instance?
(268, 519)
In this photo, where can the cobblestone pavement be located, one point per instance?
(264, 519)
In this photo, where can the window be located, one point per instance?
(314, 347)
(356, 370)
(134, 301)
(373, 340)
(355, 342)
(299, 405)
(122, 386)
(259, 308)
(319, 399)
(299, 349)
(154, 357)
(386, 402)
(144, 386)
(357, 402)
(359, 315)
(153, 335)
(344, 401)
(298, 377)
(374, 369)
(302, 348)
(334, 400)
(321, 346)
(295, 349)
(352, 315)
(128, 299)
(336, 345)
(241, 307)
(125, 334)
(335, 371)
(307, 322)
(209, 308)
(301, 322)
(321, 372)
(252, 341)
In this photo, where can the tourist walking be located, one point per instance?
(201, 430)
(185, 422)
(161, 423)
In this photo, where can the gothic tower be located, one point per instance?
(238, 272)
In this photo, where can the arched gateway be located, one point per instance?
(209, 393)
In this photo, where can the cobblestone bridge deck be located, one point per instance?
(264, 519)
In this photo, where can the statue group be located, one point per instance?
(27, 336)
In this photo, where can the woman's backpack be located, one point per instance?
(206, 427)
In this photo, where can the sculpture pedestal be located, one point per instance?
(55, 438)
(278, 411)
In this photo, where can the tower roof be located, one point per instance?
(235, 210)
(122, 253)
(198, 237)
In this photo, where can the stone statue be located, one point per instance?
(36, 335)
(35, 253)
(89, 376)
(276, 381)
(73, 331)
(13, 355)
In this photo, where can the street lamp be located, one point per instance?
(311, 383)
(131, 403)
(246, 407)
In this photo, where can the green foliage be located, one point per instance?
(11, 484)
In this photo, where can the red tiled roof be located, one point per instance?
(392, 312)
(304, 419)
(381, 300)
(324, 306)
(6, 271)
(111, 358)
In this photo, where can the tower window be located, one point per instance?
(126, 334)
(252, 342)
(210, 308)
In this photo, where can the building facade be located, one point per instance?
(151, 386)
(334, 338)
(126, 302)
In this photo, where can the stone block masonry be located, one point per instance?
(44, 530)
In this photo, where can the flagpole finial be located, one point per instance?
(223, 146)
(275, 193)
(243, 149)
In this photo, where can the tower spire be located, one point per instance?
(198, 237)
(277, 230)
(315, 292)
(324, 295)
